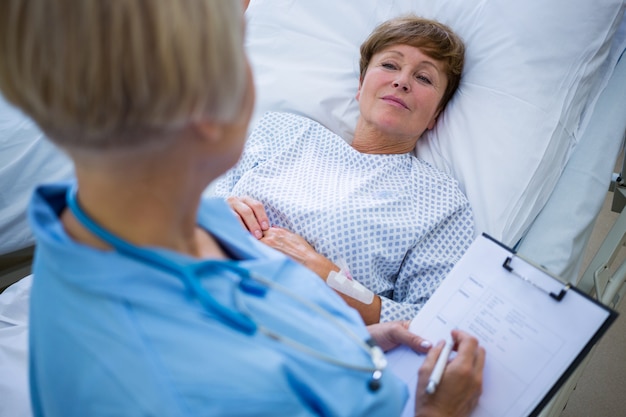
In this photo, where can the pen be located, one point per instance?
(442, 360)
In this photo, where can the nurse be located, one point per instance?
(147, 299)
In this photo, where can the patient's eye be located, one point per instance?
(424, 78)
(389, 65)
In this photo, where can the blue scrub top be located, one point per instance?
(110, 336)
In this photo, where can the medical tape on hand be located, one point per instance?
(345, 284)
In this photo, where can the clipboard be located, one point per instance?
(535, 328)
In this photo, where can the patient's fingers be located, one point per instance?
(251, 214)
(289, 243)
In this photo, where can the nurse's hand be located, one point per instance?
(395, 333)
(251, 214)
(461, 384)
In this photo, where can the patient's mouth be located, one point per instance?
(395, 101)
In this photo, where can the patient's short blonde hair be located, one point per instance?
(103, 73)
(433, 38)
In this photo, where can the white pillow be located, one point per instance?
(531, 68)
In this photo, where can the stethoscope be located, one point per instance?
(249, 283)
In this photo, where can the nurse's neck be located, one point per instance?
(146, 201)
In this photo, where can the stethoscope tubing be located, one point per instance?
(241, 319)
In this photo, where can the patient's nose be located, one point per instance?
(401, 83)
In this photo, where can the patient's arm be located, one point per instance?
(297, 248)
(253, 217)
(426, 264)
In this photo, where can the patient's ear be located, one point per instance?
(358, 91)
(433, 121)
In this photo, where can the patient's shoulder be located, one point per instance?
(280, 130)
(280, 121)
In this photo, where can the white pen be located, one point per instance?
(440, 366)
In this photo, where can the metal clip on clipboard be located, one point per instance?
(558, 297)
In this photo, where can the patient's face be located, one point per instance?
(401, 91)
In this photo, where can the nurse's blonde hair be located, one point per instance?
(96, 74)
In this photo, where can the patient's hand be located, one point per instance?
(298, 249)
(251, 214)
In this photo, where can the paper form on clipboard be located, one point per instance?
(535, 329)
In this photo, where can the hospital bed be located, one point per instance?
(532, 134)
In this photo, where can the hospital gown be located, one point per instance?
(396, 222)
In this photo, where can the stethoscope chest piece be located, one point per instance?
(374, 383)
(380, 363)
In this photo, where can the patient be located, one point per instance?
(148, 300)
(392, 221)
